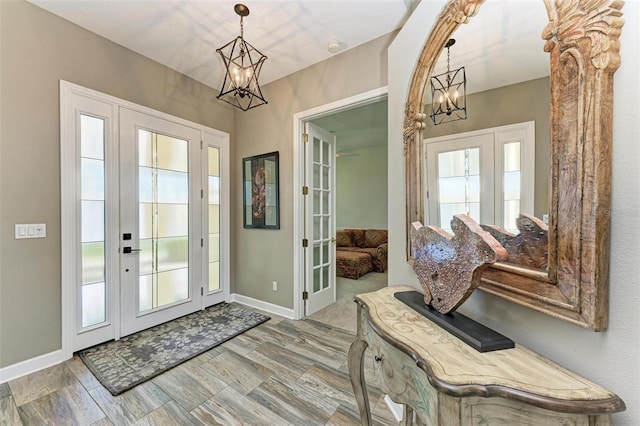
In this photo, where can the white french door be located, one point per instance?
(159, 221)
(320, 230)
(145, 217)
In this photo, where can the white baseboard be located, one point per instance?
(264, 306)
(30, 366)
(396, 409)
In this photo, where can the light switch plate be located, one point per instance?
(30, 230)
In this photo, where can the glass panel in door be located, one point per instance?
(92, 206)
(213, 183)
(511, 186)
(458, 185)
(163, 214)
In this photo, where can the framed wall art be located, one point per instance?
(261, 191)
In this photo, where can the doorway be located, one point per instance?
(145, 217)
(303, 285)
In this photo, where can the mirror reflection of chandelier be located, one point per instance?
(243, 63)
(449, 93)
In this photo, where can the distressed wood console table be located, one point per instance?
(445, 382)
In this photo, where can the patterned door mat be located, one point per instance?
(122, 364)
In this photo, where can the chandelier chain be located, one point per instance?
(448, 66)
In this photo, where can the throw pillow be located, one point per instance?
(375, 237)
(358, 237)
(343, 239)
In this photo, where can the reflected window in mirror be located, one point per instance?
(486, 174)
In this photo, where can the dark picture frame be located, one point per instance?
(261, 191)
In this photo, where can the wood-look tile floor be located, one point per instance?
(282, 372)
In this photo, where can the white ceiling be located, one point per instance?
(183, 35)
(294, 34)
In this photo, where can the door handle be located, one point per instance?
(129, 249)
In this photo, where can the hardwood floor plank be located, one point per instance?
(208, 355)
(182, 387)
(237, 371)
(304, 327)
(132, 405)
(104, 422)
(82, 373)
(319, 350)
(170, 413)
(229, 407)
(9, 415)
(282, 362)
(41, 383)
(335, 384)
(240, 344)
(69, 405)
(272, 333)
(345, 416)
(293, 402)
(5, 392)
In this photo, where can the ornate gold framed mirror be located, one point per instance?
(582, 41)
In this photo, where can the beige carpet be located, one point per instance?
(342, 314)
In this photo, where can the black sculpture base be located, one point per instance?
(474, 334)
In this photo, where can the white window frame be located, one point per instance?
(519, 132)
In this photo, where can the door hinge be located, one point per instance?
(305, 190)
(427, 195)
(305, 243)
(305, 137)
(201, 291)
(305, 295)
(201, 242)
(202, 193)
(201, 143)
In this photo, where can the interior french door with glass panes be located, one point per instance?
(145, 217)
(320, 219)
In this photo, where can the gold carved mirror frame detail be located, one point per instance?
(582, 40)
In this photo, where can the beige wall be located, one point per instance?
(262, 256)
(517, 103)
(610, 358)
(37, 50)
(361, 188)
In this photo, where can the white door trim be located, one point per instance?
(68, 193)
(299, 120)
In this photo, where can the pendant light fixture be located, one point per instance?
(243, 63)
(449, 93)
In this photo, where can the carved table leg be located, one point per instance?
(407, 415)
(356, 372)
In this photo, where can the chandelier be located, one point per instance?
(448, 93)
(243, 63)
